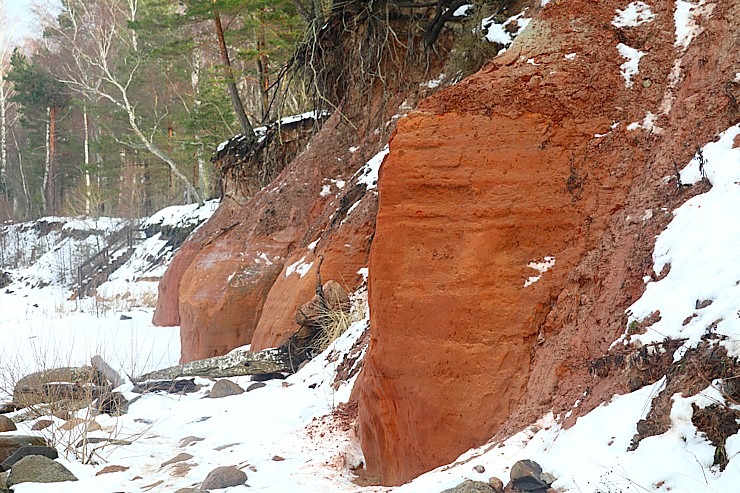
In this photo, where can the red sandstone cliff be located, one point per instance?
(518, 163)
(515, 164)
(230, 283)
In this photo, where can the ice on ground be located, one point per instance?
(633, 15)
(630, 68)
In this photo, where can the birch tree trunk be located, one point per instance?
(47, 165)
(3, 134)
(86, 171)
(203, 181)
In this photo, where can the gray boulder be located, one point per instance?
(526, 476)
(38, 469)
(10, 443)
(470, 486)
(224, 388)
(27, 450)
(224, 477)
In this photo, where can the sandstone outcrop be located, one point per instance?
(512, 230)
(239, 278)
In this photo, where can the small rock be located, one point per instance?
(111, 469)
(93, 440)
(525, 476)
(5, 280)
(470, 486)
(4, 482)
(7, 407)
(72, 423)
(125, 317)
(548, 478)
(38, 469)
(277, 458)
(27, 450)
(93, 426)
(182, 457)
(255, 386)
(225, 388)
(42, 424)
(6, 424)
(496, 484)
(703, 304)
(188, 440)
(479, 469)
(224, 477)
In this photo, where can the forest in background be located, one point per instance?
(117, 109)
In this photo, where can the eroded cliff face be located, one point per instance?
(239, 278)
(528, 170)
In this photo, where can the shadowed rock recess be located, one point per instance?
(526, 165)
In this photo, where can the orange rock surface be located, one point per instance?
(515, 164)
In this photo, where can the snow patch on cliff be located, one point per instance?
(700, 247)
(633, 15)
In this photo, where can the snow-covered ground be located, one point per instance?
(280, 434)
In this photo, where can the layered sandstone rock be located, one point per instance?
(240, 277)
(526, 166)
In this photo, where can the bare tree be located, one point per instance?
(102, 62)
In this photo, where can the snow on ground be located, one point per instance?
(287, 419)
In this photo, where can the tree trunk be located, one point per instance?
(47, 167)
(53, 164)
(86, 171)
(236, 101)
(3, 136)
(202, 178)
(263, 71)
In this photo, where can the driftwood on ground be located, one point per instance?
(236, 363)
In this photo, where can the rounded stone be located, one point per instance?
(6, 424)
(224, 477)
(38, 469)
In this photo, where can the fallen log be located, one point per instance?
(284, 359)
